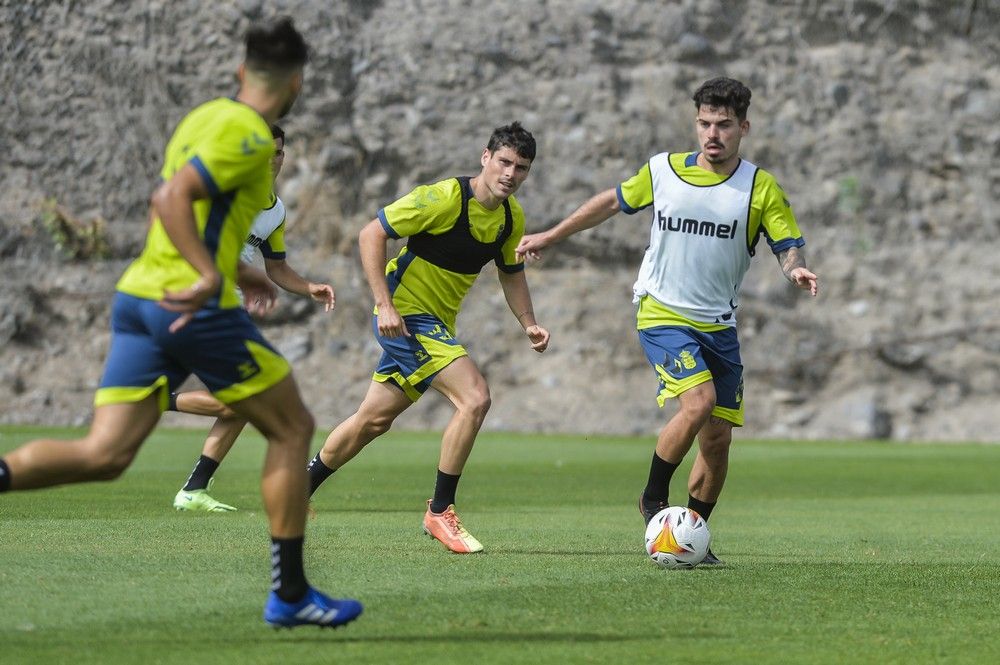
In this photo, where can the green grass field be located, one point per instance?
(837, 553)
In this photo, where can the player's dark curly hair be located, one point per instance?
(513, 136)
(276, 46)
(724, 92)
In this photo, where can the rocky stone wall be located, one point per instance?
(878, 118)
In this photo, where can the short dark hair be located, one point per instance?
(513, 136)
(277, 133)
(276, 47)
(724, 92)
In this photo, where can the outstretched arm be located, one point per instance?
(793, 265)
(515, 289)
(371, 242)
(595, 210)
(284, 276)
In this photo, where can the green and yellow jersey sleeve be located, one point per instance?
(274, 246)
(636, 193)
(771, 212)
(428, 208)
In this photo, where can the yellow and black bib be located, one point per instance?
(457, 249)
(450, 238)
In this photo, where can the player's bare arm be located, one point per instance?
(371, 242)
(793, 265)
(597, 209)
(173, 202)
(515, 289)
(287, 278)
(259, 294)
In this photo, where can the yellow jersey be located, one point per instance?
(451, 237)
(230, 145)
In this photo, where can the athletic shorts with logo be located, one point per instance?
(411, 363)
(684, 358)
(222, 347)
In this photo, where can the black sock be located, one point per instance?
(444, 491)
(318, 472)
(288, 578)
(703, 508)
(660, 473)
(4, 476)
(202, 473)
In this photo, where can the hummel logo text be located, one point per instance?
(702, 228)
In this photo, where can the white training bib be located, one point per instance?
(263, 226)
(698, 249)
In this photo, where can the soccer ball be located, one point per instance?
(677, 537)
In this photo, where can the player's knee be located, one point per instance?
(477, 404)
(292, 428)
(225, 413)
(303, 425)
(484, 404)
(699, 410)
(106, 464)
(110, 471)
(377, 425)
(698, 404)
(219, 410)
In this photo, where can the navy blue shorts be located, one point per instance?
(684, 357)
(222, 347)
(411, 363)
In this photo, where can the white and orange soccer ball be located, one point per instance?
(677, 537)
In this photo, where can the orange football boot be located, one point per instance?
(447, 528)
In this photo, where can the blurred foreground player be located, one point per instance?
(177, 312)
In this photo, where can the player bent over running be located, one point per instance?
(453, 229)
(267, 235)
(709, 209)
(177, 312)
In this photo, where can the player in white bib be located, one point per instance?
(709, 209)
(267, 236)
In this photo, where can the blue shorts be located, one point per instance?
(222, 347)
(684, 357)
(411, 363)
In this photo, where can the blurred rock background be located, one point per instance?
(880, 119)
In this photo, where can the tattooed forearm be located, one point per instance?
(790, 259)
